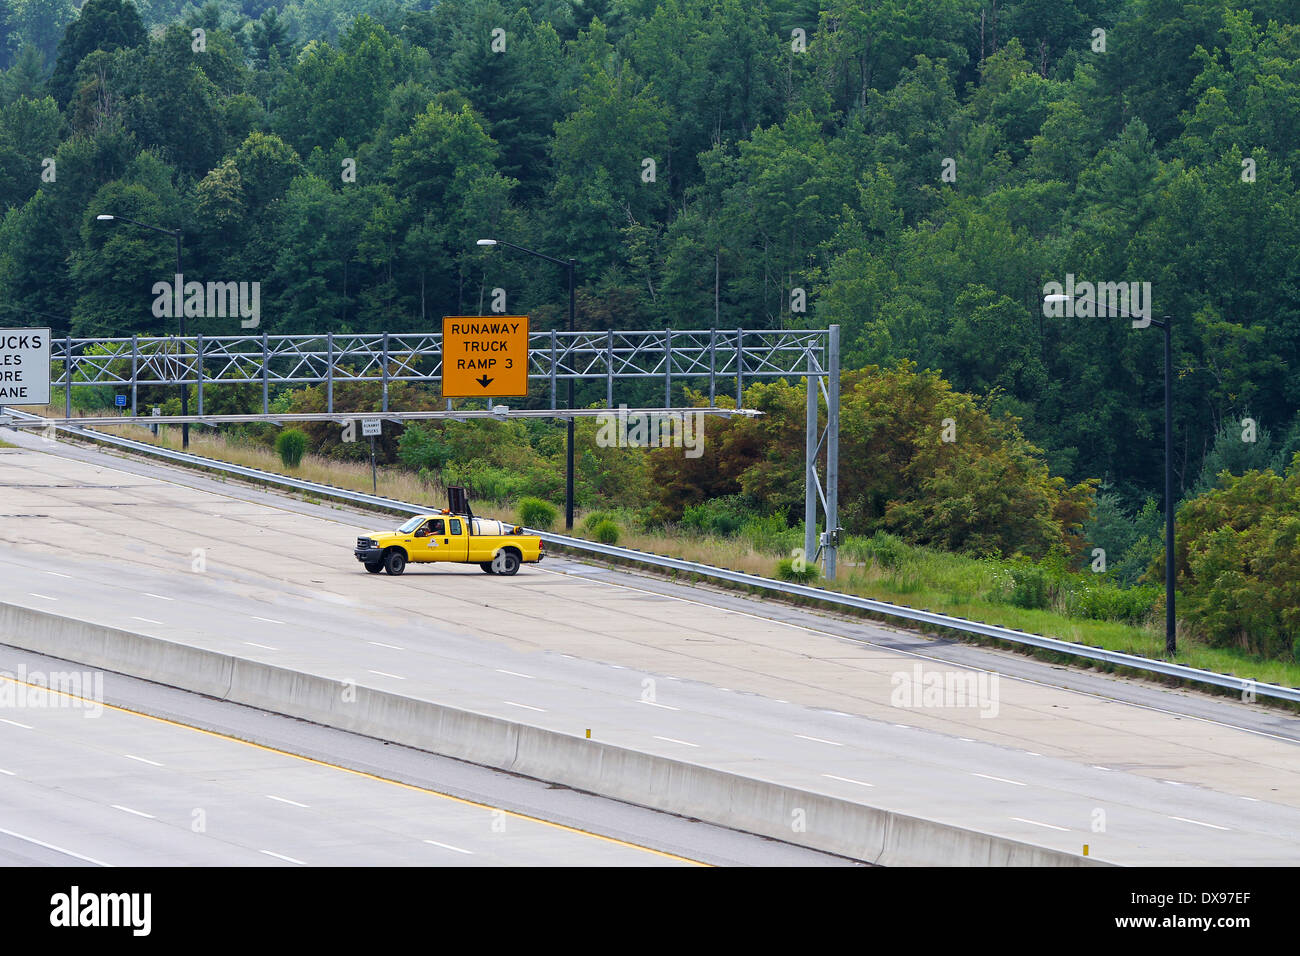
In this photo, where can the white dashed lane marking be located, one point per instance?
(860, 783)
(271, 796)
(524, 706)
(281, 856)
(1050, 826)
(998, 779)
(1199, 823)
(448, 846)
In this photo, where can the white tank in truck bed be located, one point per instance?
(492, 526)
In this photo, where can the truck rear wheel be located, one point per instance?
(506, 562)
(394, 561)
(486, 566)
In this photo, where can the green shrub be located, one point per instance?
(786, 571)
(491, 483)
(885, 549)
(771, 534)
(606, 532)
(1029, 586)
(722, 516)
(596, 517)
(422, 446)
(1105, 602)
(536, 513)
(290, 445)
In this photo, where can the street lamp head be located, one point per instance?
(1057, 298)
(487, 242)
(106, 218)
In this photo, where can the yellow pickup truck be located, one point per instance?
(451, 535)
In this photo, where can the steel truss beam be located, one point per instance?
(342, 418)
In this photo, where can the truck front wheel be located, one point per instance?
(487, 567)
(394, 561)
(374, 567)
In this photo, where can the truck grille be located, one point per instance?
(364, 543)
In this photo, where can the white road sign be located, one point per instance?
(24, 366)
(371, 426)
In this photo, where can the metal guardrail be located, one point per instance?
(1149, 665)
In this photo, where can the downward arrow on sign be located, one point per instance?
(485, 381)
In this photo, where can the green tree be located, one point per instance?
(29, 133)
(986, 490)
(1238, 561)
(39, 24)
(100, 25)
(117, 266)
(864, 47)
(602, 181)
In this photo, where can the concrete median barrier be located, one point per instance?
(740, 802)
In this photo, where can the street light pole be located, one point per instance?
(1166, 324)
(571, 266)
(1170, 645)
(176, 234)
(568, 478)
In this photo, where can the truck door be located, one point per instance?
(428, 540)
(456, 541)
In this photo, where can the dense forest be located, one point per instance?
(914, 170)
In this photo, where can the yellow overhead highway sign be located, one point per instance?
(484, 355)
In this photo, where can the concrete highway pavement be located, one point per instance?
(137, 782)
(131, 790)
(569, 646)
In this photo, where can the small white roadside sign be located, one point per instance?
(24, 366)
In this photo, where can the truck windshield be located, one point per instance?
(411, 525)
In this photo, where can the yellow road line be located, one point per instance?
(362, 773)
